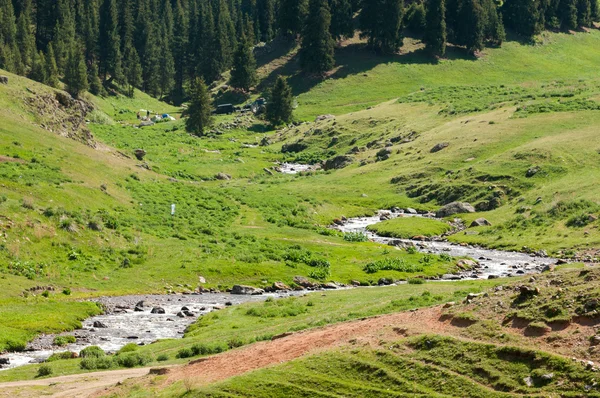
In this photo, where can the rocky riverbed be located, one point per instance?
(490, 263)
(140, 319)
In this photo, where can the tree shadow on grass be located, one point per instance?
(353, 59)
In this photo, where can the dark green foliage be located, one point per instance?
(76, 73)
(92, 352)
(44, 370)
(63, 340)
(133, 70)
(93, 80)
(243, 74)
(523, 16)
(109, 42)
(381, 24)
(470, 26)
(342, 24)
(199, 110)
(279, 107)
(568, 10)
(38, 68)
(435, 35)
(316, 54)
(292, 14)
(415, 18)
(51, 68)
(392, 264)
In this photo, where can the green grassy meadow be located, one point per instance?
(520, 126)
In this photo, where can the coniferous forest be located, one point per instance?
(163, 46)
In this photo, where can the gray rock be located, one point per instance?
(451, 277)
(4, 361)
(338, 162)
(246, 290)
(280, 286)
(329, 285)
(3, 79)
(532, 171)
(304, 282)
(481, 222)
(454, 208)
(384, 281)
(528, 381)
(411, 211)
(223, 177)
(157, 310)
(99, 325)
(384, 154)
(493, 277)
(139, 154)
(439, 147)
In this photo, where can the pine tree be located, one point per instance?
(94, 80)
(568, 10)
(38, 68)
(265, 20)
(435, 34)
(25, 38)
(342, 24)
(109, 42)
(584, 12)
(280, 105)
(51, 68)
(243, 74)
(75, 73)
(133, 70)
(180, 56)
(316, 54)
(471, 32)
(381, 23)
(199, 109)
(291, 16)
(595, 10)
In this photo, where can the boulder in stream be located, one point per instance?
(280, 286)
(304, 282)
(99, 325)
(246, 290)
(157, 310)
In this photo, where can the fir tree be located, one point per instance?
(109, 42)
(584, 12)
(523, 16)
(265, 19)
(75, 73)
(471, 20)
(166, 66)
(568, 10)
(316, 54)
(51, 68)
(38, 68)
(494, 28)
(435, 34)
(180, 57)
(291, 16)
(25, 38)
(342, 24)
(94, 80)
(64, 33)
(133, 70)
(595, 10)
(199, 109)
(243, 74)
(280, 105)
(381, 23)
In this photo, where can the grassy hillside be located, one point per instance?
(79, 212)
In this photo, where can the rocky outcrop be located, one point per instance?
(99, 325)
(246, 290)
(454, 208)
(304, 282)
(280, 286)
(480, 222)
(139, 154)
(384, 154)
(439, 147)
(338, 162)
(223, 177)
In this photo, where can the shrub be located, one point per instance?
(416, 281)
(104, 362)
(92, 352)
(27, 203)
(61, 355)
(133, 359)
(44, 370)
(203, 349)
(128, 348)
(355, 237)
(184, 353)
(235, 342)
(66, 291)
(391, 264)
(162, 358)
(64, 340)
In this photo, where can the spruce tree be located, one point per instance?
(199, 109)
(523, 16)
(381, 24)
(435, 33)
(94, 80)
(133, 70)
(494, 28)
(280, 105)
(584, 12)
(595, 10)
(64, 33)
(38, 68)
(265, 19)
(568, 10)
(75, 73)
(292, 14)
(243, 74)
(342, 25)
(51, 68)
(180, 56)
(109, 42)
(471, 19)
(166, 66)
(316, 54)
(25, 39)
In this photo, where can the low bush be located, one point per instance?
(64, 340)
(128, 348)
(61, 355)
(92, 352)
(133, 359)
(92, 363)
(44, 370)
(162, 358)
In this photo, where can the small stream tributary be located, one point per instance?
(122, 323)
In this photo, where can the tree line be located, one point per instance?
(163, 46)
